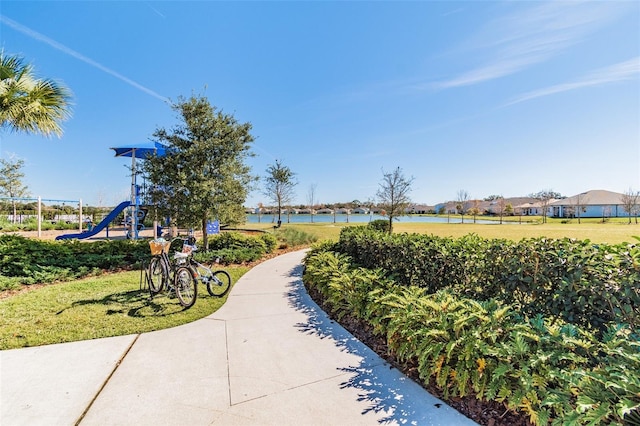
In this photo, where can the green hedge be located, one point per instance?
(234, 247)
(25, 261)
(29, 261)
(591, 285)
(552, 371)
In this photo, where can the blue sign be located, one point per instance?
(213, 227)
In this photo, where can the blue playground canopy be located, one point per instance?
(141, 150)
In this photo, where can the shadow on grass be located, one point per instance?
(134, 303)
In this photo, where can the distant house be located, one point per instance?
(360, 210)
(291, 211)
(446, 208)
(531, 208)
(324, 211)
(420, 209)
(596, 203)
(263, 210)
(343, 210)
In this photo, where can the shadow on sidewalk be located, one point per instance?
(381, 385)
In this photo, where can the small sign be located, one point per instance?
(213, 227)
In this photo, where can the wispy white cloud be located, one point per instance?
(623, 71)
(40, 37)
(529, 37)
(160, 14)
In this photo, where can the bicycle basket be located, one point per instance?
(158, 247)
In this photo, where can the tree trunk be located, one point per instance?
(205, 236)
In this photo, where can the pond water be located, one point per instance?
(358, 218)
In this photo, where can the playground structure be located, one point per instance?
(74, 212)
(136, 206)
(141, 151)
(38, 214)
(137, 211)
(104, 223)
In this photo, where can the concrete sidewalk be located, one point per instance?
(269, 356)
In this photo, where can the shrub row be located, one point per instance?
(591, 285)
(291, 237)
(25, 261)
(29, 261)
(554, 372)
(235, 248)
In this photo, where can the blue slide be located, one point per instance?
(99, 227)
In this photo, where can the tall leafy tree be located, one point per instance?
(11, 181)
(393, 194)
(29, 104)
(279, 184)
(203, 175)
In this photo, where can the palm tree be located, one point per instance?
(29, 104)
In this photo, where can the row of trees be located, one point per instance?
(203, 174)
(393, 193)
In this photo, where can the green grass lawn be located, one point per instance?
(113, 305)
(612, 232)
(104, 306)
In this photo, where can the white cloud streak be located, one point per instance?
(531, 36)
(622, 71)
(40, 37)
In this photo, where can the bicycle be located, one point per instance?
(217, 282)
(162, 273)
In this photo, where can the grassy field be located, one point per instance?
(612, 232)
(113, 305)
(109, 305)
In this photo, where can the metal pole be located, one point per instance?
(80, 216)
(133, 209)
(39, 217)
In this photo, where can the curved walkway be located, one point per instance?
(269, 356)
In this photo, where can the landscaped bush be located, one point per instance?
(25, 261)
(591, 285)
(379, 225)
(234, 247)
(553, 371)
(231, 240)
(29, 261)
(291, 237)
(270, 241)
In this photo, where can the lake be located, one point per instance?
(357, 218)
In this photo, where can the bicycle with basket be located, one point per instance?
(182, 273)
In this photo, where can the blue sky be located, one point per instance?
(489, 97)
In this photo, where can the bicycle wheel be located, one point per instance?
(158, 275)
(186, 288)
(220, 283)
